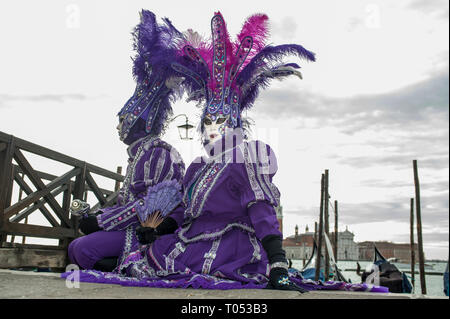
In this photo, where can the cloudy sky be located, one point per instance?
(376, 99)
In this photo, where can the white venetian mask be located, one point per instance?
(215, 127)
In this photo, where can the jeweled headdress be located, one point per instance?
(226, 76)
(147, 111)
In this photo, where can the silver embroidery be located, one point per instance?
(279, 264)
(262, 173)
(127, 246)
(251, 204)
(256, 249)
(159, 167)
(200, 209)
(259, 278)
(147, 166)
(210, 256)
(211, 235)
(170, 259)
(152, 256)
(259, 195)
(171, 172)
(131, 170)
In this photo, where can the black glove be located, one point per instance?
(278, 276)
(279, 280)
(146, 235)
(89, 225)
(168, 226)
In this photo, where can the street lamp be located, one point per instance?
(185, 129)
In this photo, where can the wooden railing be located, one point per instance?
(74, 184)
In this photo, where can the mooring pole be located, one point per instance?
(336, 230)
(320, 234)
(327, 225)
(419, 230)
(411, 232)
(315, 232)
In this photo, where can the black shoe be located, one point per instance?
(107, 264)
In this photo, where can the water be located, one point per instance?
(434, 283)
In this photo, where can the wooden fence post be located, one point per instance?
(327, 225)
(413, 253)
(26, 220)
(117, 185)
(315, 232)
(336, 230)
(6, 182)
(419, 230)
(320, 234)
(78, 192)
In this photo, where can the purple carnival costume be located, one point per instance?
(227, 234)
(154, 167)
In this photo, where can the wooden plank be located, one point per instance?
(29, 171)
(104, 172)
(21, 257)
(38, 231)
(109, 201)
(117, 185)
(80, 183)
(17, 207)
(38, 205)
(95, 189)
(32, 246)
(42, 175)
(59, 157)
(50, 177)
(6, 157)
(66, 207)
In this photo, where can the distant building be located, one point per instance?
(299, 246)
(402, 252)
(347, 248)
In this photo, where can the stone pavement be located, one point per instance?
(39, 285)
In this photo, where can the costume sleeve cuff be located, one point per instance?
(119, 218)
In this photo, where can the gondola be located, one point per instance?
(388, 274)
(309, 270)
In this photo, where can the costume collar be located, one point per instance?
(132, 149)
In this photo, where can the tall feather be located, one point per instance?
(272, 54)
(257, 27)
(262, 81)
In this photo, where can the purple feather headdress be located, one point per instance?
(157, 83)
(227, 76)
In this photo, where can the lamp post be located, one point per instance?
(184, 129)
